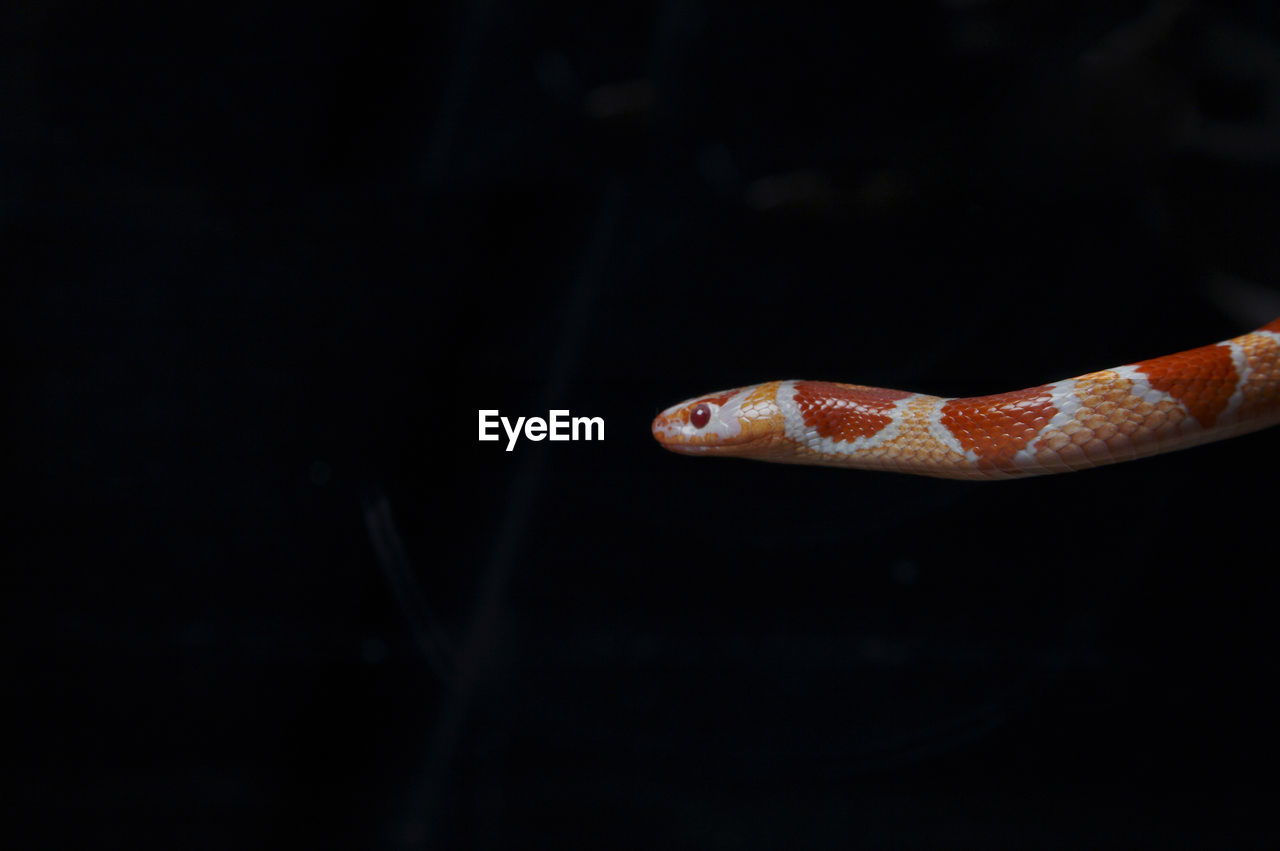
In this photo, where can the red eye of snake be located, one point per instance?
(700, 416)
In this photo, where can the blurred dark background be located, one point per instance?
(266, 589)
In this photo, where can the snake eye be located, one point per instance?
(700, 415)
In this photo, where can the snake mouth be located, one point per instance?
(676, 433)
(683, 448)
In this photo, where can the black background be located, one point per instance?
(266, 588)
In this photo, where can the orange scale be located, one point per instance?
(1007, 422)
(1202, 379)
(845, 412)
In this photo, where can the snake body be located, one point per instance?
(1150, 407)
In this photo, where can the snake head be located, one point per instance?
(723, 423)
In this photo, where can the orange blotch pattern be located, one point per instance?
(995, 427)
(1273, 326)
(1202, 380)
(845, 412)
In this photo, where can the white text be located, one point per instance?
(559, 425)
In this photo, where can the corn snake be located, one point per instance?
(1153, 406)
